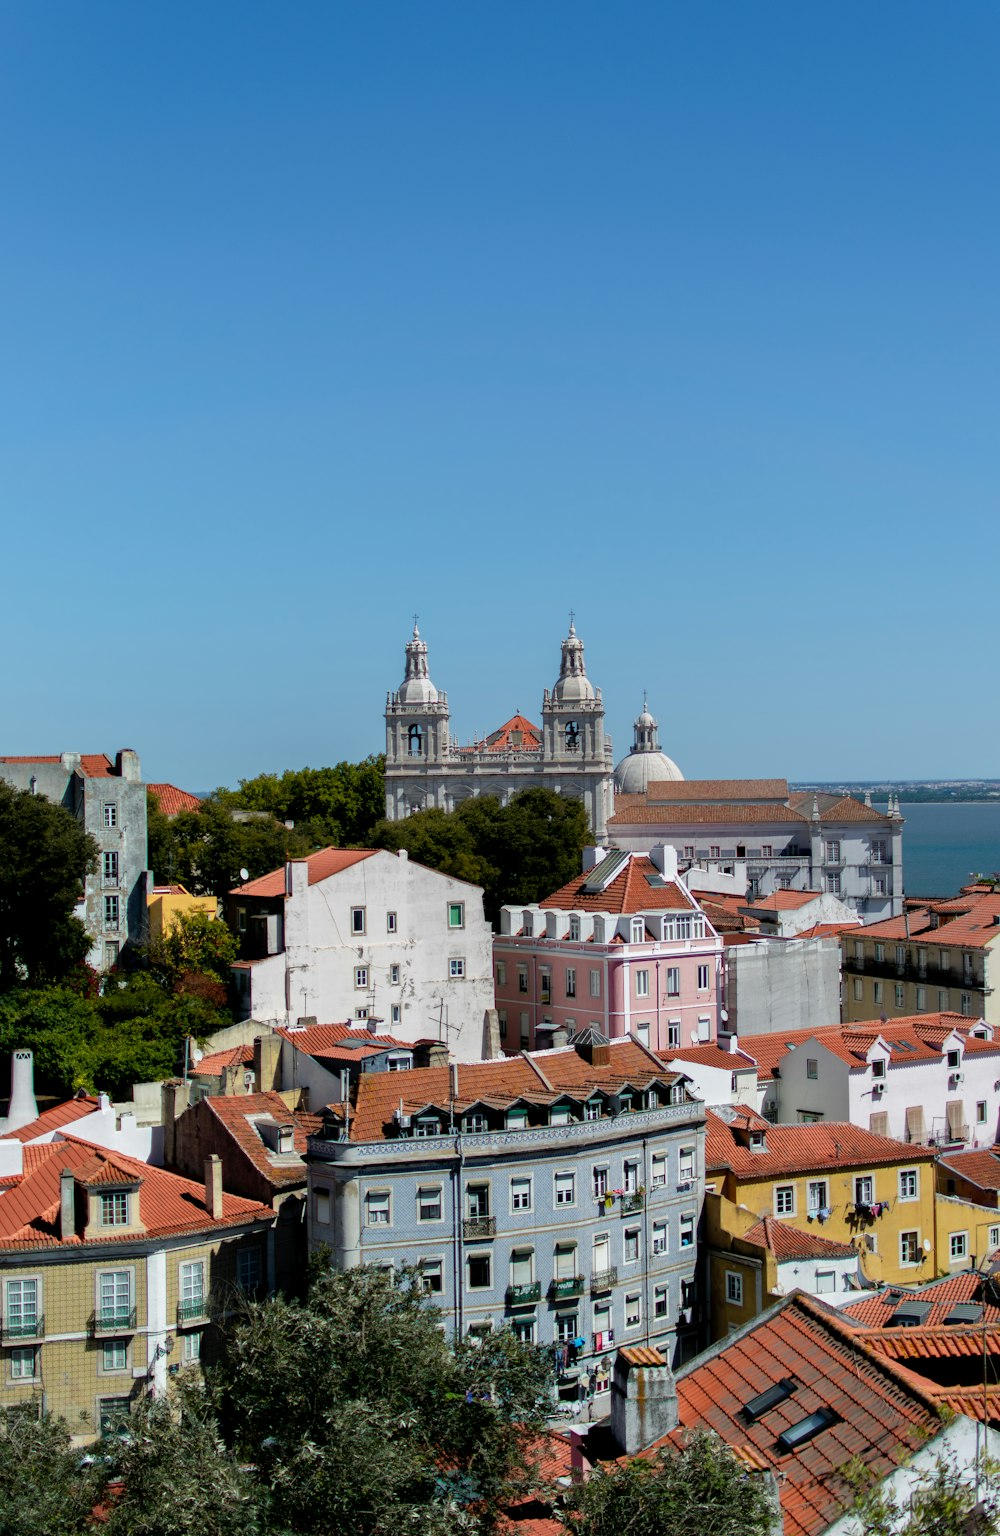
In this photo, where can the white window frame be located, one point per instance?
(734, 1288)
(559, 1188)
(642, 983)
(522, 1194)
(908, 1177)
(633, 1310)
(361, 978)
(377, 1201)
(456, 969)
(817, 1196)
(958, 1246)
(631, 1245)
(595, 982)
(908, 1263)
(110, 813)
(687, 1230)
(425, 1201)
(785, 1199)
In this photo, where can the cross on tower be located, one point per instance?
(572, 617)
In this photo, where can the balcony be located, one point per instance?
(479, 1226)
(524, 1295)
(633, 1202)
(24, 1328)
(604, 1279)
(191, 1311)
(560, 1290)
(113, 1320)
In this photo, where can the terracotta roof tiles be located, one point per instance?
(55, 1118)
(801, 1148)
(172, 800)
(787, 1242)
(631, 891)
(327, 862)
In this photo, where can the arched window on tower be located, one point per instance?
(416, 740)
(572, 736)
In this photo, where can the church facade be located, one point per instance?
(570, 753)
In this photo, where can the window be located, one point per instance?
(816, 1196)
(110, 954)
(633, 1309)
(900, 994)
(900, 956)
(637, 930)
(110, 868)
(631, 1178)
(833, 851)
(993, 1237)
(191, 1347)
(477, 1200)
(812, 1068)
(631, 1246)
(565, 1188)
(942, 1000)
(23, 1363)
(784, 1200)
(431, 1277)
(687, 1231)
(110, 813)
(395, 1012)
(475, 1124)
(908, 1183)
(191, 1288)
(357, 919)
(427, 1125)
(909, 1248)
(545, 983)
(674, 1034)
(600, 1183)
(659, 1237)
(833, 883)
(863, 1190)
(859, 989)
(520, 1194)
(642, 983)
(966, 1004)
(480, 1271)
(22, 1308)
(456, 914)
(114, 1298)
(958, 1246)
(921, 999)
(879, 954)
(390, 922)
(734, 1288)
(377, 1208)
(570, 981)
(429, 1203)
(714, 851)
(689, 850)
(685, 1165)
(111, 911)
(415, 741)
(658, 1172)
(703, 978)
(361, 976)
(361, 1013)
(673, 981)
(661, 1301)
(642, 1031)
(456, 969)
(595, 983)
(980, 1111)
(114, 1210)
(878, 1068)
(877, 991)
(114, 1356)
(522, 978)
(248, 1269)
(525, 1029)
(567, 1326)
(954, 1061)
(517, 1118)
(523, 1329)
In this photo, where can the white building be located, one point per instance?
(570, 754)
(367, 935)
(933, 1078)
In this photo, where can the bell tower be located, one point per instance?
(576, 753)
(416, 734)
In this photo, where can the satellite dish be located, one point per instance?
(244, 874)
(927, 1245)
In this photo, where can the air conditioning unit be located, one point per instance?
(956, 1078)
(403, 1121)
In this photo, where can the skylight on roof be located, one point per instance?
(657, 881)
(805, 1429)
(603, 873)
(765, 1401)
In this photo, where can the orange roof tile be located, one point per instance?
(877, 1308)
(172, 800)
(712, 1056)
(633, 810)
(978, 1165)
(327, 862)
(717, 791)
(923, 1034)
(327, 1041)
(237, 1113)
(784, 901)
(216, 1062)
(55, 1118)
(501, 740)
(630, 891)
(95, 765)
(787, 1242)
(801, 1148)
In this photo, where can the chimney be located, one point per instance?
(267, 1063)
(127, 765)
(430, 1053)
(643, 1398)
(174, 1096)
(23, 1108)
(67, 1203)
(371, 1024)
(592, 857)
(213, 1185)
(664, 857)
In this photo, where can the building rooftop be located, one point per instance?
(241, 1115)
(172, 800)
(790, 1149)
(717, 791)
(56, 1118)
(878, 1309)
(968, 922)
(640, 887)
(788, 1243)
(978, 1165)
(323, 864)
(911, 1038)
(93, 765)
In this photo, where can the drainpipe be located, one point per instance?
(456, 1216)
(647, 1253)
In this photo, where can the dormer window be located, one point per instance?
(574, 928)
(427, 1125)
(878, 1068)
(114, 1209)
(474, 1124)
(954, 1060)
(517, 1119)
(758, 1142)
(638, 930)
(559, 1114)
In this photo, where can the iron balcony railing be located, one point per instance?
(479, 1226)
(521, 1295)
(559, 1290)
(604, 1279)
(113, 1320)
(189, 1311)
(24, 1328)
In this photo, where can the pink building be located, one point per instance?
(624, 947)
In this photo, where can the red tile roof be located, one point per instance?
(327, 862)
(923, 1034)
(876, 1310)
(95, 765)
(975, 926)
(787, 1242)
(633, 810)
(712, 1056)
(784, 901)
(800, 1148)
(502, 1081)
(172, 800)
(630, 891)
(978, 1165)
(168, 1204)
(216, 1062)
(883, 1412)
(325, 1041)
(237, 1112)
(706, 791)
(500, 740)
(55, 1118)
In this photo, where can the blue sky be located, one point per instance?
(683, 316)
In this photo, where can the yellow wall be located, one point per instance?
(166, 907)
(723, 1233)
(980, 1226)
(903, 1215)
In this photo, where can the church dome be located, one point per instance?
(574, 686)
(645, 764)
(416, 687)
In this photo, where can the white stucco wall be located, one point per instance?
(957, 1444)
(315, 975)
(804, 1275)
(782, 984)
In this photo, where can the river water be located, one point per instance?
(945, 845)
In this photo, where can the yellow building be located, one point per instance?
(843, 1183)
(114, 1275)
(168, 902)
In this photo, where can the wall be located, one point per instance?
(782, 984)
(165, 907)
(976, 1228)
(957, 1445)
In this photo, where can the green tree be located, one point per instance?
(675, 1493)
(944, 1500)
(45, 857)
(195, 943)
(43, 1489)
(338, 805)
(361, 1417)
(206, 849)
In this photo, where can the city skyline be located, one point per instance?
(684, 320)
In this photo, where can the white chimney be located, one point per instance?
(664, 856)
(23, 1108)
